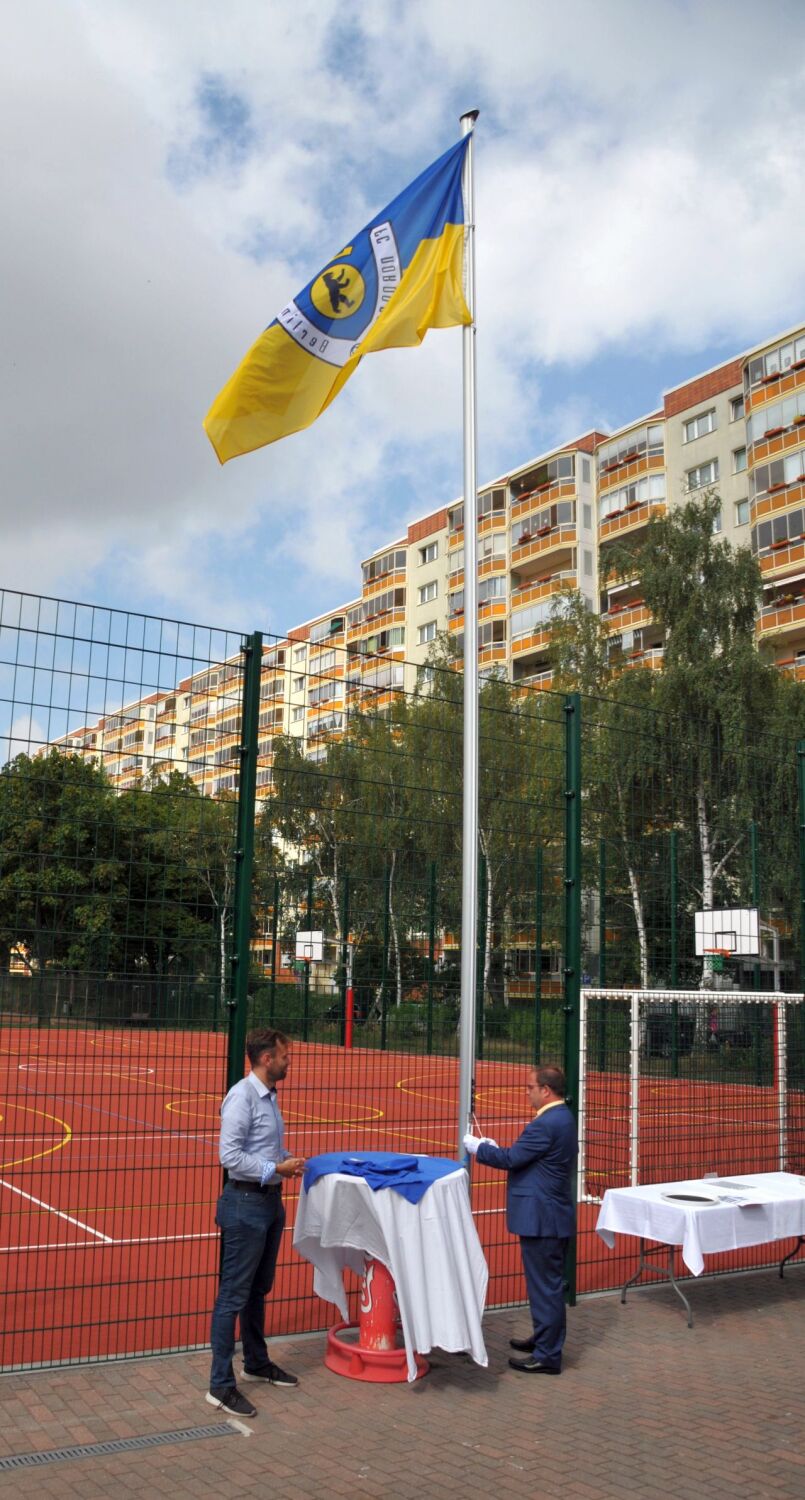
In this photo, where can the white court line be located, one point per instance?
(109, 1244)
(48, 1207)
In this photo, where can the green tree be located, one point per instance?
(60, 877)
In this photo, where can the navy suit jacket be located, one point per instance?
(539, 1196)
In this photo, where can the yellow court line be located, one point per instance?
(49, 1150)
(482, 1096)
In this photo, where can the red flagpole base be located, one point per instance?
(375, 1356)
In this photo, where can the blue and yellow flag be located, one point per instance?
(402, 275)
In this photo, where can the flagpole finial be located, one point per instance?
(467, 120)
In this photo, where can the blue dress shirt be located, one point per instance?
(252, 1132)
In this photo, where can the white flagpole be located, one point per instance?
(469, 837)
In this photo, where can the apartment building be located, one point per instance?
(546, 526)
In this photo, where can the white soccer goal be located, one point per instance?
(678, 1083)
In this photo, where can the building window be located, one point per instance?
(492, 634)
(428, 591)
(771, 421)
(781, 529)
(738, 460)
(429, 553)
(426, 633)
(493, 502)
(587, 517)
(588, 563)
(650, 440)
(776, 362)
(390, 562)
(299, 684)
(585, 470)
(492, 545)
(717, 523)
(742, 513)
(702, 475)
(736, 408)
(297, 713)
(697, 426)
(492, 588)
(299, 653)
(650, 490)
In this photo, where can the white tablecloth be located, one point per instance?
(774, 1209)
(431, 1249)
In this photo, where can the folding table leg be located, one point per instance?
(792, 1253)
(653, 1269)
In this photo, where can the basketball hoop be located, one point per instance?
(714, 959)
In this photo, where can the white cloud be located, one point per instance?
(639, 186)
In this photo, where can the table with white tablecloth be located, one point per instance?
(705, 1217)
(431, 1249)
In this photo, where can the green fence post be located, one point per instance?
(431, 952)
(306, 986)
(384, 971)
(572, 974)
(483, 880)
(755, 892)
(801, 783)
(674, 953)
(238, 1004)
(274, 934)
(538, 877)
(602, 954)
(756, 980)
(342, 983)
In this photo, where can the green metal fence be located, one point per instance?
(179, 804)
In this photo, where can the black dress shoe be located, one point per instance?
(535, 1366)
(523, 1346)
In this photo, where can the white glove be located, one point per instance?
(472, 1142)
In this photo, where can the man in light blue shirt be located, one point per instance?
(251, 1218)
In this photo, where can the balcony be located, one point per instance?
(634, 516)
(534, 682)
(544, 494)
(792, 666)
(558, 543)
(783, 615)
(631, 466)
(652, 657)
(775, 385)
(632, 614)
(543, 586)
(537, 639)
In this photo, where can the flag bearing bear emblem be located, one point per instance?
(338, 292)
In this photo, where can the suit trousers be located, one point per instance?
(544, 1266)
(251, 1227)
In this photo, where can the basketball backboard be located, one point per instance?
(310, 946)
(735, 930)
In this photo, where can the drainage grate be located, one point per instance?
(115, 1445)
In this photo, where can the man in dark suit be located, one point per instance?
(541, 1210)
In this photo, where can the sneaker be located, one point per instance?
(231, 1400)
(272, 1374)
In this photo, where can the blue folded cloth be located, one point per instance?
(411, 1176)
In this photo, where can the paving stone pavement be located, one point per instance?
(645, 1407)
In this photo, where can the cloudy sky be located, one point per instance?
(174, 170)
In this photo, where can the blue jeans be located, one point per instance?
(251, 1225)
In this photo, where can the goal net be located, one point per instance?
(678, 1083)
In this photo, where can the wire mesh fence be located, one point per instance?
(116, 877)
(202, 832)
